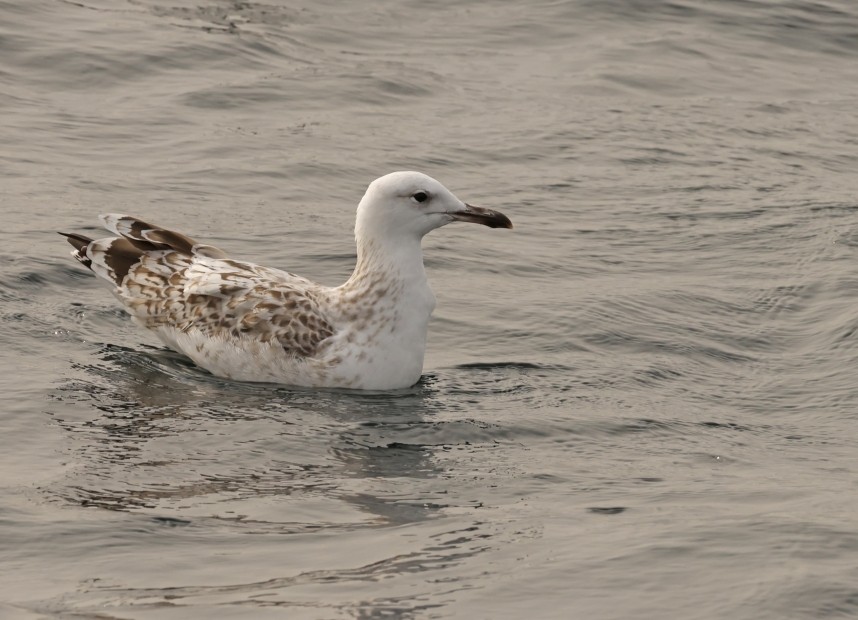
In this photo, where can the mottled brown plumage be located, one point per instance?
(170, 282)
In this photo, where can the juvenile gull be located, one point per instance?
(251, 323)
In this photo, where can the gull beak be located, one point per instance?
(478, 215)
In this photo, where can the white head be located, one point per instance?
(410, 204)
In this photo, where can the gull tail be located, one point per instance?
(113, 258)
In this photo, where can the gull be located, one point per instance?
(246, 322)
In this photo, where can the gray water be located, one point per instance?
(640, 403)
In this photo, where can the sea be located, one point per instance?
(640, 403)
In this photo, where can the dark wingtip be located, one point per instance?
(78, 242)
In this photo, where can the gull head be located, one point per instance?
(412, 204)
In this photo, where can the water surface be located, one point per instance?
(639, 403)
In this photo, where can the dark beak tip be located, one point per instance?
(501, 221)
(486, 217)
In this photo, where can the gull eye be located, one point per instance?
(419, 196)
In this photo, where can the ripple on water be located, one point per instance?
(639, 403)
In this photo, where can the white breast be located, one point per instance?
(386, 351)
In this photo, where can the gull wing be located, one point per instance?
(171, 283)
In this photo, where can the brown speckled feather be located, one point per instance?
(172, 284)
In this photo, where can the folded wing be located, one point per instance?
(172, 284)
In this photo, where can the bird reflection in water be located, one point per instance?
(162, 436)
